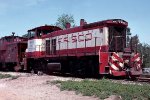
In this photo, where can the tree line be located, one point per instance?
(143, 49)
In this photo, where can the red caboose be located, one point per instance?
(91, 49)
(12, 49)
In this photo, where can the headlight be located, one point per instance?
(126, 61)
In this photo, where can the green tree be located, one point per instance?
(63, 19)
(134, 42)
(142, 48)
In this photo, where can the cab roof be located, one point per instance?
(46, 27)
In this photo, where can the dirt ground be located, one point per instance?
(33, 87)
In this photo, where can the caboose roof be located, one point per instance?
(9, 37)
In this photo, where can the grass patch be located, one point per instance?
(8, 76)
(5, 76)
(14, 77)
(104, 88)
(54, 82)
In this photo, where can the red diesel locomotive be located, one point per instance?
(97, 48)
(91, 49)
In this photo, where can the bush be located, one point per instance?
(104, 88)
(5, 76)
(8, 76)
(14, 77)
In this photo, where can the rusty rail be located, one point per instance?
(144, 78)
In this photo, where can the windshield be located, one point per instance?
(117, 38)
(31, 34)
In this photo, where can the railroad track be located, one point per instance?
(144, 78)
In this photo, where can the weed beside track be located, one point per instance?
(104, 88)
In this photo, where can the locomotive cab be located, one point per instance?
(38, 32)
(36, 45)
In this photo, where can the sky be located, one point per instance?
(21, 15)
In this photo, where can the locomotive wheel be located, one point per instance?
(4, 67)
(79, 68)
(17, 68)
